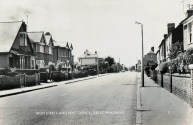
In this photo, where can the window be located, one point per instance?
(41, 48)
(23, 39)
(37, 48)
(50, 50)
(69, 54)
(65, 53)
(46, 49)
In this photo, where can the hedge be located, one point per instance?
(28, 71)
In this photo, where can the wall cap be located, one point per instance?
(191, 66)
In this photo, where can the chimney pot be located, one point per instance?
(171, 27)
(165, 35)
(189, 12)
(152, 49)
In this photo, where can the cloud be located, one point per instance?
(19, 13)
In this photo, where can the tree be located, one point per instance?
(175, 49)
(110, 60)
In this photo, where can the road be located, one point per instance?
(105, 100)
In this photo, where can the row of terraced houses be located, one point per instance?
(31, 50)
(182, 33)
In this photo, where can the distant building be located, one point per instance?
(138, 66)
(89, 59)
(151, 56)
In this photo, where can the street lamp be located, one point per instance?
(67, 67)
(97, 63)
(142, 66)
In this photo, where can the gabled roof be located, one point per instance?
(88, 54)
(70, 46)
(8, 33)
(48, 39)
(35, 36)
(150, 52)
(61, 44)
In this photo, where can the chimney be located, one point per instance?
(152, 49)
(189, 12)
(171, 26)
(165, 35)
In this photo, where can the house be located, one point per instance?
(49, 49)
(43, 47)
(16, 49)
(187, 30)
(63, 54)
(158, 56)
(88, 58)
(166, 43)
(174, 35)
(138, 66)
(151, 56)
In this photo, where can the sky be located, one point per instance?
(105, 26)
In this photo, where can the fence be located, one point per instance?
(20, 80)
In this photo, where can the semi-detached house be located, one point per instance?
(15, 47)
(63, 54)
(43, 47)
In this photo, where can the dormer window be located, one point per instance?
(23, 39)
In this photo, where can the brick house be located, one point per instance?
(43, 47)
(63, 54)
(49, 48)
(187, 30)
(151, 56)
(16, 49)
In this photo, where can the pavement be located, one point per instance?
(49, 84)
(157, 106)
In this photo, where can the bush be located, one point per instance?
(80, 75)
(28, 71)
(8, 72)
(110, 70)
(43, 69)
(163, 67)
(7, 82)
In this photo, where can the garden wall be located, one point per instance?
(181, 85)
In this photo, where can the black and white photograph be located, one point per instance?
(96, 62)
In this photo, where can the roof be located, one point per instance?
(177, 34)
(8, 33)
(88, 54)
(47, 37)
(70, 45)
(35, 36)
(150, 52)
(61, 44)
